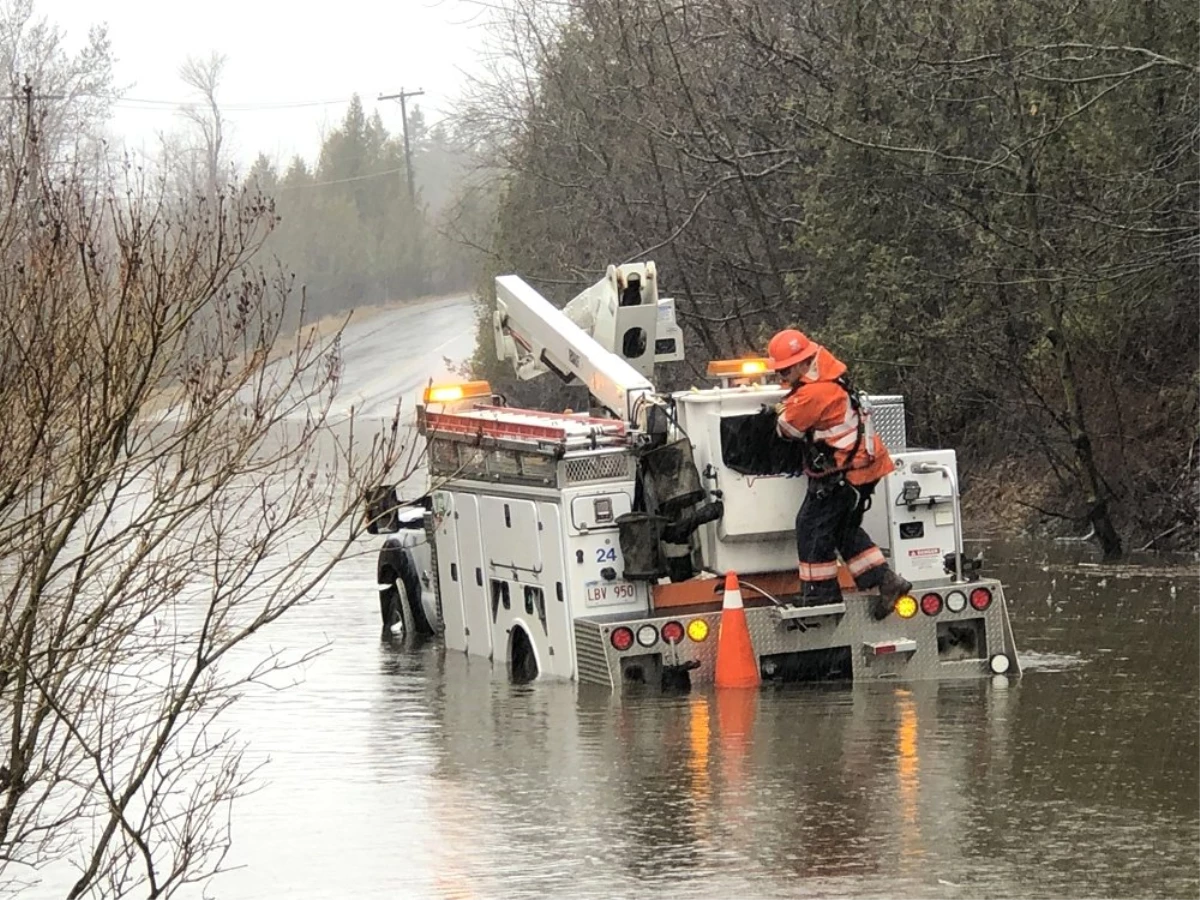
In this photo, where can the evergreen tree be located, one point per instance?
(349, 229)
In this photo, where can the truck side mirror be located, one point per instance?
(383, 510)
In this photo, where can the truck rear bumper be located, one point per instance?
(838, 642)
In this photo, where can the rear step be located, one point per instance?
(881, 648)
(810, 612)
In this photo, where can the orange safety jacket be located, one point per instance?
(819, 411)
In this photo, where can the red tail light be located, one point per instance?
(931, 604)
(981, 598)
(622, 638)
(672, 632)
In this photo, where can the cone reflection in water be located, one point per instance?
(737, 666)
(736, 712)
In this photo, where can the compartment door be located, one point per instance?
(557, 625)
(449, 570)
(477, 615)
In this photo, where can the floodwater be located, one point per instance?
(400, 770)
(406, 771)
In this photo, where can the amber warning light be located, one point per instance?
(737, 368)
(452, 393)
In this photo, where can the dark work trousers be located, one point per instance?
(830, 523)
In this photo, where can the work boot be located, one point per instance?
(891, 589)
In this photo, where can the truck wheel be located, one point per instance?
(400, 602)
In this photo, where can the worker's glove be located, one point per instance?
(775, 410)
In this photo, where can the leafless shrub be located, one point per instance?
(168, 488)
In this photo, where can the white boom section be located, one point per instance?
(624, 313)
(533, 333)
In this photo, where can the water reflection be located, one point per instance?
(411, 772)
(924, 788)
(699, 785)
(908, 778)
(722, 786)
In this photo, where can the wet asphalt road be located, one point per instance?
(396, 353)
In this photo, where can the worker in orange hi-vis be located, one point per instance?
(844, 459)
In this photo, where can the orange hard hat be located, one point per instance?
(789, 347)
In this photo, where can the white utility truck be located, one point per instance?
(590, 546)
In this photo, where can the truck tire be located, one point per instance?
(400, 595)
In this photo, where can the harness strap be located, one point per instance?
(863, 425)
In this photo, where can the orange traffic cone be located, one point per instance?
(736, 665)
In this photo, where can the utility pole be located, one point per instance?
(402, 97)
(31, 147)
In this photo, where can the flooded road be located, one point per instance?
(403, 771)
(406, 771)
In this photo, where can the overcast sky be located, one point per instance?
(291, 66)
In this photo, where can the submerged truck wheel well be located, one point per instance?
(523, 666)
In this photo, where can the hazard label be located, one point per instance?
(925, 551)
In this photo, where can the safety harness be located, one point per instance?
(819, 456)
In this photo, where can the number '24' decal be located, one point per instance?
(606, 554)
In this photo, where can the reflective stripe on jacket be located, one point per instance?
(820, 410)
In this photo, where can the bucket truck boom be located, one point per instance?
(608, 337)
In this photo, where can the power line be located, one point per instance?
(244, 106)
(248, 106)
(293, 187)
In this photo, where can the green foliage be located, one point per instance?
(988, 207)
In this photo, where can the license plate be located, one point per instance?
(601, 593)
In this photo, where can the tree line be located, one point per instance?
(990, 207)
(364, 223)
(350, 232)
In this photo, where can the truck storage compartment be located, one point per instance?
(826, 664)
